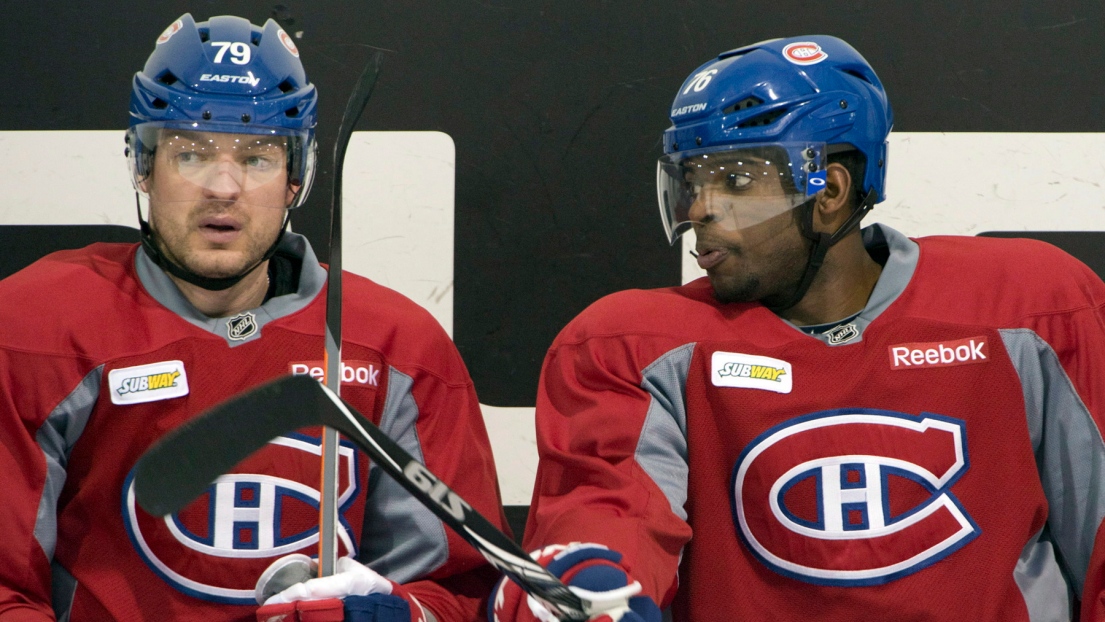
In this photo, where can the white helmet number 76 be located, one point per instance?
(698, 82)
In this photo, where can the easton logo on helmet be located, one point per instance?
(804, 53)
(250, 79)
(688, 109)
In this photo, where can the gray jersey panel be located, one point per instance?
(401, 540)
(311, 279)
(662, 448)
(1046, 592)
(1070, 453)
(56, 438)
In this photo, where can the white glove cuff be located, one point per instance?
(352, 579)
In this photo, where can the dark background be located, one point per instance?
(556, 109)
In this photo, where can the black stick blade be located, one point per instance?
(182, 465)
(179, 468)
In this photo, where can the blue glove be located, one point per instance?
(593, 572)
(361, 593)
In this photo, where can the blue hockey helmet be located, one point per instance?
(800, 98)
(225, 75)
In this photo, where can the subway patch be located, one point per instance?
(148, 383)
(747, 371)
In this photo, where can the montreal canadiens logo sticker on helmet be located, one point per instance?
(804, 53)
(170, 31)
(288, 43)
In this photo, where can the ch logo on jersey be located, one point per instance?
(217, 547)
(147, 383)
(853, 497)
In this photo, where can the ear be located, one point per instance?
(289, 195)
(834, 202)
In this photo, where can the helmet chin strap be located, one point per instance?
(822, 242)
(149, 244)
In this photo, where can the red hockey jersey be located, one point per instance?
(939, 457)
(100, 356)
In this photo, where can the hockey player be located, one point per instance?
(105, 349)
(838, 423)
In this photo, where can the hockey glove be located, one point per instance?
(355, 593)
(593, 573)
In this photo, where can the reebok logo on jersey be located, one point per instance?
(352, 372)
(147, 383)
(746, 371)
(939, 354)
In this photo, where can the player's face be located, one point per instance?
(748, 262)
(217, 200)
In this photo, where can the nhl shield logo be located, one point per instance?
(241, 326)
(842, 334)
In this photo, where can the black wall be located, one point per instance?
(557, 107)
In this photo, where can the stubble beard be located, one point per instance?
(784, 273)
(207, 262)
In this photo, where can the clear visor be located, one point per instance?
(218, 162)
(736, 188)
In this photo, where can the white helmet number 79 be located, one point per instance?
(239, 52)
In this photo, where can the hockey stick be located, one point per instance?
(328, 503)
(182, 465)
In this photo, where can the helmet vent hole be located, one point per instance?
(286, 86)
(859, 75)
(763, 119)
(205, 35)
(744, 104)
(160, 104)
(167, 78)
(255, 39)
(291, 112)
